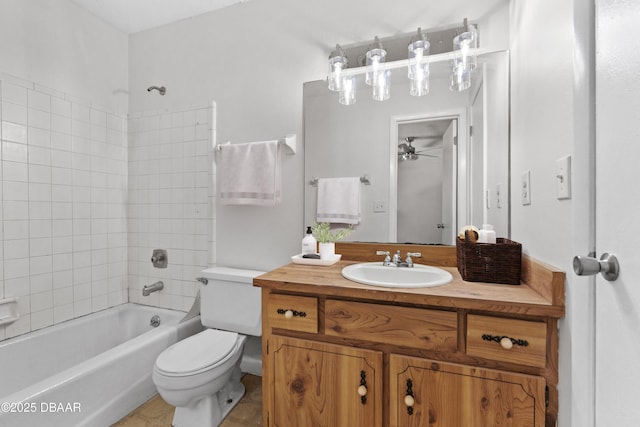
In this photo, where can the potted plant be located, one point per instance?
(327, 238)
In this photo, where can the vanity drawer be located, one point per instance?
(403, 326)
(507, 340)
(293, 312)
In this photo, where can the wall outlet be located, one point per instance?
(379, 206)
(563, 178)
(526, 188)
(499, 196)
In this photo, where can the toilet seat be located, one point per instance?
(197, 353)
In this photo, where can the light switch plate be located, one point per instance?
(379, 206)
(526, 188)
(563, 178)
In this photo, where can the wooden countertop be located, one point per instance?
(541, 292)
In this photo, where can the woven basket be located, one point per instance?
(488, 262)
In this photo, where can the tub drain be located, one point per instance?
(155, 321)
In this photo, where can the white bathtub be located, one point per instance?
(89, 371)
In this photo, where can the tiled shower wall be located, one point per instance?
(63, 205)
(170, 202)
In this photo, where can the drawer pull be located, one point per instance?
(409, 400)
(505, 342)
(289, 313)
(362, 390)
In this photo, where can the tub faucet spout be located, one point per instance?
(148, 289)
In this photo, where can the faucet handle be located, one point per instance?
(409, 261)
(387, 258)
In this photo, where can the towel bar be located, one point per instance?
(289, 141)
(363, 179)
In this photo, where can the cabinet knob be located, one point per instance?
(506, 343)
(409, 400)
(362, 390)
(288, 314)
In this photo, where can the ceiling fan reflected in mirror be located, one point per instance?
(406, 151)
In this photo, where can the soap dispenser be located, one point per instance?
(309, 243)
(487, 234)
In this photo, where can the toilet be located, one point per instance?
(200, 375)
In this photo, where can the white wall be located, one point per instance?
(59, 45)
(551, 118)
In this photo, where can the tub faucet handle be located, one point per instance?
(159, 258)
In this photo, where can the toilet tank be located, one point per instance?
(230, 302)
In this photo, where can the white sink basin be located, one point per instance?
(376, 274)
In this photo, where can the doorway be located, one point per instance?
(425, 179)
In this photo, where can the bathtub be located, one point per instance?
(89, 371)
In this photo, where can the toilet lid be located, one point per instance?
(197, 352)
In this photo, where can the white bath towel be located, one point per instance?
(339, 200)
(249, 174)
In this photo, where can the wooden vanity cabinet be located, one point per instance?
(438, 394)
(339, 354)
(319, 384)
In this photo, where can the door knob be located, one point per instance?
(588, 266)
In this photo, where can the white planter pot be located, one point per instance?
(327, 250)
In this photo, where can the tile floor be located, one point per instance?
(157, 413)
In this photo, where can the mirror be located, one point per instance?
(459, 142)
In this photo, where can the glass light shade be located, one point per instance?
(381, 90)
(375, 57)
(460, 77)
(464, 45)
(418, 59)
(337, 64)
(347, 95)
(419, 87)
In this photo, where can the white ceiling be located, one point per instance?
(131, 16)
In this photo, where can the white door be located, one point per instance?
(448, 225)
(617, 391)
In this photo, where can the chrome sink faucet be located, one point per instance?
(396, 261)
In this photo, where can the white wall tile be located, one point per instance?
(38, 100)
(14, 93)
(14, 132)
(15, 268)
(39, 119)
(14, 113)
(60, 107)
(14, 152)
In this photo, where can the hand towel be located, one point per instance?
(249, 174)
(339, 200)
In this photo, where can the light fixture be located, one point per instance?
(418, 69)
(376, 62)
(337, 63)
(464, 61)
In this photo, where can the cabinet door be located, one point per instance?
(451, 395)
(317, 384)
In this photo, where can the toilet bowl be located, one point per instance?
(200, 375)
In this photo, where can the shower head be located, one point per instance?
(160, 89)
